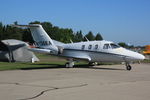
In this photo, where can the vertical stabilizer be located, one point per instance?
(41, 38)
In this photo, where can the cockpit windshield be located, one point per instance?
(114, 46)
(110, 46)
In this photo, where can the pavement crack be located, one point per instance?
(15, 83)
(47, 90)
(44, 91)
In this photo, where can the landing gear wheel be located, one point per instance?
(90, 64)
(67, 65)
(128, 67)
(93, 63)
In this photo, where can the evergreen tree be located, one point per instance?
(78, 36)
(90, 36)
(98, 37)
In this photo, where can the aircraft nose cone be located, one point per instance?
(134, 56)
(140, 57)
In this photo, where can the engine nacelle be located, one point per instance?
(60, 50)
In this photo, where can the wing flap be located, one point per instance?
(81, 57)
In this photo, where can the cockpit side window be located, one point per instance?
(83, 46)
(96, 46)
(114, 46)
(106, 46)
(90, 47)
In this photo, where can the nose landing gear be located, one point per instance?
(128, 67)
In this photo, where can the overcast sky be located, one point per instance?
(117, 20)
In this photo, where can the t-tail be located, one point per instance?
(41, 38)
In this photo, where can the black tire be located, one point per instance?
(91, 64)
(128, 67)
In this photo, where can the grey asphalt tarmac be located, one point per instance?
(106, 82)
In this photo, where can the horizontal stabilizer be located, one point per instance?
(30, 25)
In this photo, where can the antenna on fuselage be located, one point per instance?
(71, 41)
(86, 38)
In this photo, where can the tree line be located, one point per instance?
(55, 32)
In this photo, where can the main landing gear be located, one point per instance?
(70, 63)
(128, 66)
(91, 64)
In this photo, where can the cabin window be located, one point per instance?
(106, 46)
(83, 46)
(90, 47)
(114, 46)
(96, 46)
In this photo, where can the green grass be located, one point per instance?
(37, 65)
(46, 61)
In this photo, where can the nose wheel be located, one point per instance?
(128, 67)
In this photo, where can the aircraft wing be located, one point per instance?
(76, 55)
(80, 57)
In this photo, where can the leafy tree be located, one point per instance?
(35, 22)
(123, 44)
(78, 36)
(26, 36)
(66, 35)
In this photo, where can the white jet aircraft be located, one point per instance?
(91, 51)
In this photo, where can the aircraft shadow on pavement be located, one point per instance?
(45, 66)
(57, 66)
(95, 67)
